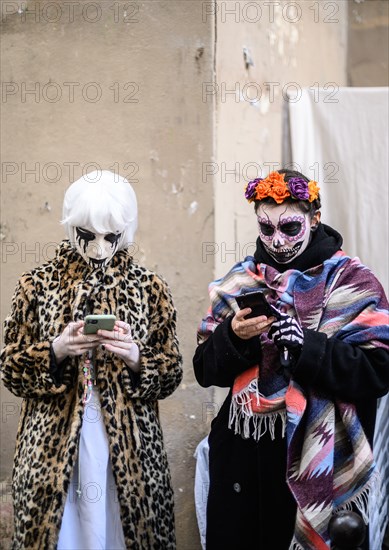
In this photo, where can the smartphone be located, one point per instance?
(258, 304)
(95, 322)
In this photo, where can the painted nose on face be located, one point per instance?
(278, 241)
(99, 247)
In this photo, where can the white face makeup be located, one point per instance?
(96, 248)
(284, 231)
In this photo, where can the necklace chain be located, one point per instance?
(89, 378)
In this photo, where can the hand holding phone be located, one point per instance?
(247, 325)
(258, 304)
(120, 342)
(72, 341)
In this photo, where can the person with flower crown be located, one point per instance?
(90, 469)
(292, 442)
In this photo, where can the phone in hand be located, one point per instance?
(258, 304)
(95, 322)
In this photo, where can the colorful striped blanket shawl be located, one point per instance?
(329, 464)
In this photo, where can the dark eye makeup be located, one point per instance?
(291, 228)
(112, 238)
(89, 236)
(266, 229)
(85, 234)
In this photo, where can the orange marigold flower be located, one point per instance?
(262, 190)
(274, 178)
(313, 189)
(279, 192)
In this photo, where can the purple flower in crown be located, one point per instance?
(251, 189)
(298, 188)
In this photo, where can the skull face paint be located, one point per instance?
(96, 248)
(284, 231)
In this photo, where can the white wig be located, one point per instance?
(104, 202)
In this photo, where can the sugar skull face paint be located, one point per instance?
(96, 248)
(284, 231)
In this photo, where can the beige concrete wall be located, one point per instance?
(368, 40)
(122, 92)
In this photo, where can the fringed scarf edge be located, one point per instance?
(247, 422)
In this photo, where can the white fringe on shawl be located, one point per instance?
(242, 417)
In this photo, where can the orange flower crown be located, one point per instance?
(275, 186)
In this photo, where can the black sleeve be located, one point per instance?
(340, 369)
(223, 356)
(57, 370)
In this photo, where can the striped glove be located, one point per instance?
(286, 332)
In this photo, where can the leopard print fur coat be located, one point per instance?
(45, 301)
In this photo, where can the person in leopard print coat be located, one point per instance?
(43, 362)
